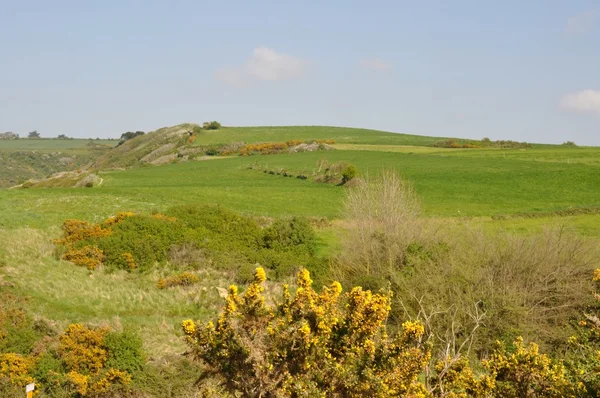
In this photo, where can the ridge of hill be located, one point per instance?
(184, 141)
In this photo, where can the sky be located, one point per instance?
(510, 69)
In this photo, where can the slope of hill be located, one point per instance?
(26, 159)
(184, 141)
(157, 147)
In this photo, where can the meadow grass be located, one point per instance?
(285, 133)
(63, 293)
(447, 186)
(539, 153)
(50, 144)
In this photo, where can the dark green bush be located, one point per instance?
(291, 234)
(125, 351)
(214, 125)
(146, 238)
(192, 236)
(349, 173)
(46, 367)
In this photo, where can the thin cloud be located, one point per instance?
(582, 23)
(375, 64)
(265, 64)
(586, 101)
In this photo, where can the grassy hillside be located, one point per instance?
(282, 134)
(25, 159)
(518, 190)
(51, 144)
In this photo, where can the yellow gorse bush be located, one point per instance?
(309, 344)
(183, 279)
(16, 368)
(82, 348)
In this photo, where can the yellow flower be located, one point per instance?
(189, 327)
(260, 275)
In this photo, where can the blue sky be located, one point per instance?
(521, 70)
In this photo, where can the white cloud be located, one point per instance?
(586, 101)
(375, 64)
(265, 64)
(582, 23)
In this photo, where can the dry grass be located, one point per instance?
(59, 291)
(459, 278)
(385, 214)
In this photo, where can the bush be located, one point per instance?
(291, 234)
(349, 173)
(469, 287)
(188, 236)
(184, 279)
(125, 351)
(309, 344)
(214, 125)
(267, 148)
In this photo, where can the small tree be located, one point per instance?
(214, 125)
(33, 134)
(9, 135)
(309, 344)
(349, 173)
(62, 137)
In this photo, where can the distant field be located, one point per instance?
(339, 134)
(448, 186)
(552, 154)
(46, 144)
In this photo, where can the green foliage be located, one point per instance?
(130, 135)
(211, 233)
(47, 366)
(349, 173)
(125, 351)
(145, 237)
(214, 125)
(290, 234)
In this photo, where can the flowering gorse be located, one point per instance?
(309, 344)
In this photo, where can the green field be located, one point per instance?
(448, 186)
(51, 144)
(459, 186)
(282, 134)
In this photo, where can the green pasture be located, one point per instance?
(282, 134)
(449, 186)
(50, 144)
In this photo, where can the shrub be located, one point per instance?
(82, 349)
(88, 256)
(125, 351)
(349, 173)
(309, 344)
(16, 368)
(267, 148)
(214, 125)
(188, 236)
(524, 372)
(469, 287)
(183, 279)
(292, 234)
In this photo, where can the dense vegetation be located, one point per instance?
(474, 268)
